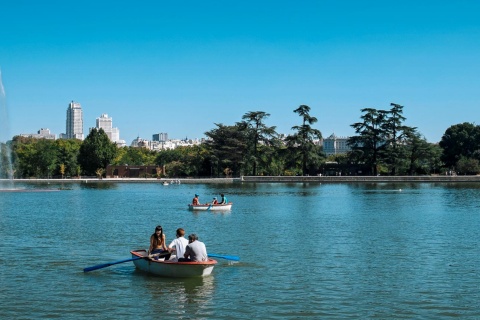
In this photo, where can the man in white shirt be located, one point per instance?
(179, 244)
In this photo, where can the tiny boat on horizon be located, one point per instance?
(172, 268)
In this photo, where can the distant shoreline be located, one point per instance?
(260, 179)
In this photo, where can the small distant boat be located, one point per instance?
(211, 207)
(172, 268)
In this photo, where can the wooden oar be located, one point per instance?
(233, 258)
(104, 265)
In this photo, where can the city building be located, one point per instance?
(161, 137)
(106, 123)
(74, 122)
(159, 140)
(156, 145)
(334, 145)
(43, 133)
(141, 143)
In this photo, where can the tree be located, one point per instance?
(395, 134)
(460, 140)
(135, 156)
(35, 157)
(227, 148)
(257, 132)
(46, 159)
(96, 152)
(304, 138)
(185, 161)
(68, 150)
(366, 146)
(420, 156)
(62, 170)
(468, 166)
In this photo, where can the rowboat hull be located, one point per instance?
(213, 207)
(172, 268)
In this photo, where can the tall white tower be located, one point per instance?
(74, 121)
(106, 123)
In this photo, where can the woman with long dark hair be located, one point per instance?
(157, 243)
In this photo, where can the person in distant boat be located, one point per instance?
(223, 200)
(179, 244)
(215, 201)
(157, 244)
(195, 250)
(195, 200)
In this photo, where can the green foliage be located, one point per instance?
(395, 136)
(366, 146)
(418, 156)
(68, 150)
(35, 157)
(302, 142)
(460, 141)
(96, 152)
(228, 148)
(381, 140)
(184, 161)
(467, 166)
(257, 132)
(134, 156)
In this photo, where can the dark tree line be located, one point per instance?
(251, 147)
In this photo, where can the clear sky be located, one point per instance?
(181, 66)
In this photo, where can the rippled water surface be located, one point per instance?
(333, 251)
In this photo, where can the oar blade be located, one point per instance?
(104, 265)
(221, 256)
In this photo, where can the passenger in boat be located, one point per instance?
(157, 244)
(223, 200)
(195, 200)
(195, 250)
(179, 244)
(215, 201)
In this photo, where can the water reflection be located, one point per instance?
(99, 186)
(189, 297)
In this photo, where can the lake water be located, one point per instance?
(333, 251)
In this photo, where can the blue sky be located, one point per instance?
(179, 67)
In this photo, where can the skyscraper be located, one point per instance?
(162, 137)
(74, 121)
(106, 123)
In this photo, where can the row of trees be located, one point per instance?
(250, 147)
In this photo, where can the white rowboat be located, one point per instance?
(172, 268)
(211, 207)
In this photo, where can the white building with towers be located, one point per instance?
(334, 145)
(74, 121)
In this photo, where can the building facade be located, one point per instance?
(74, 121)
(106, 123)
(335, 145)
(161, 137)
(43, 133)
